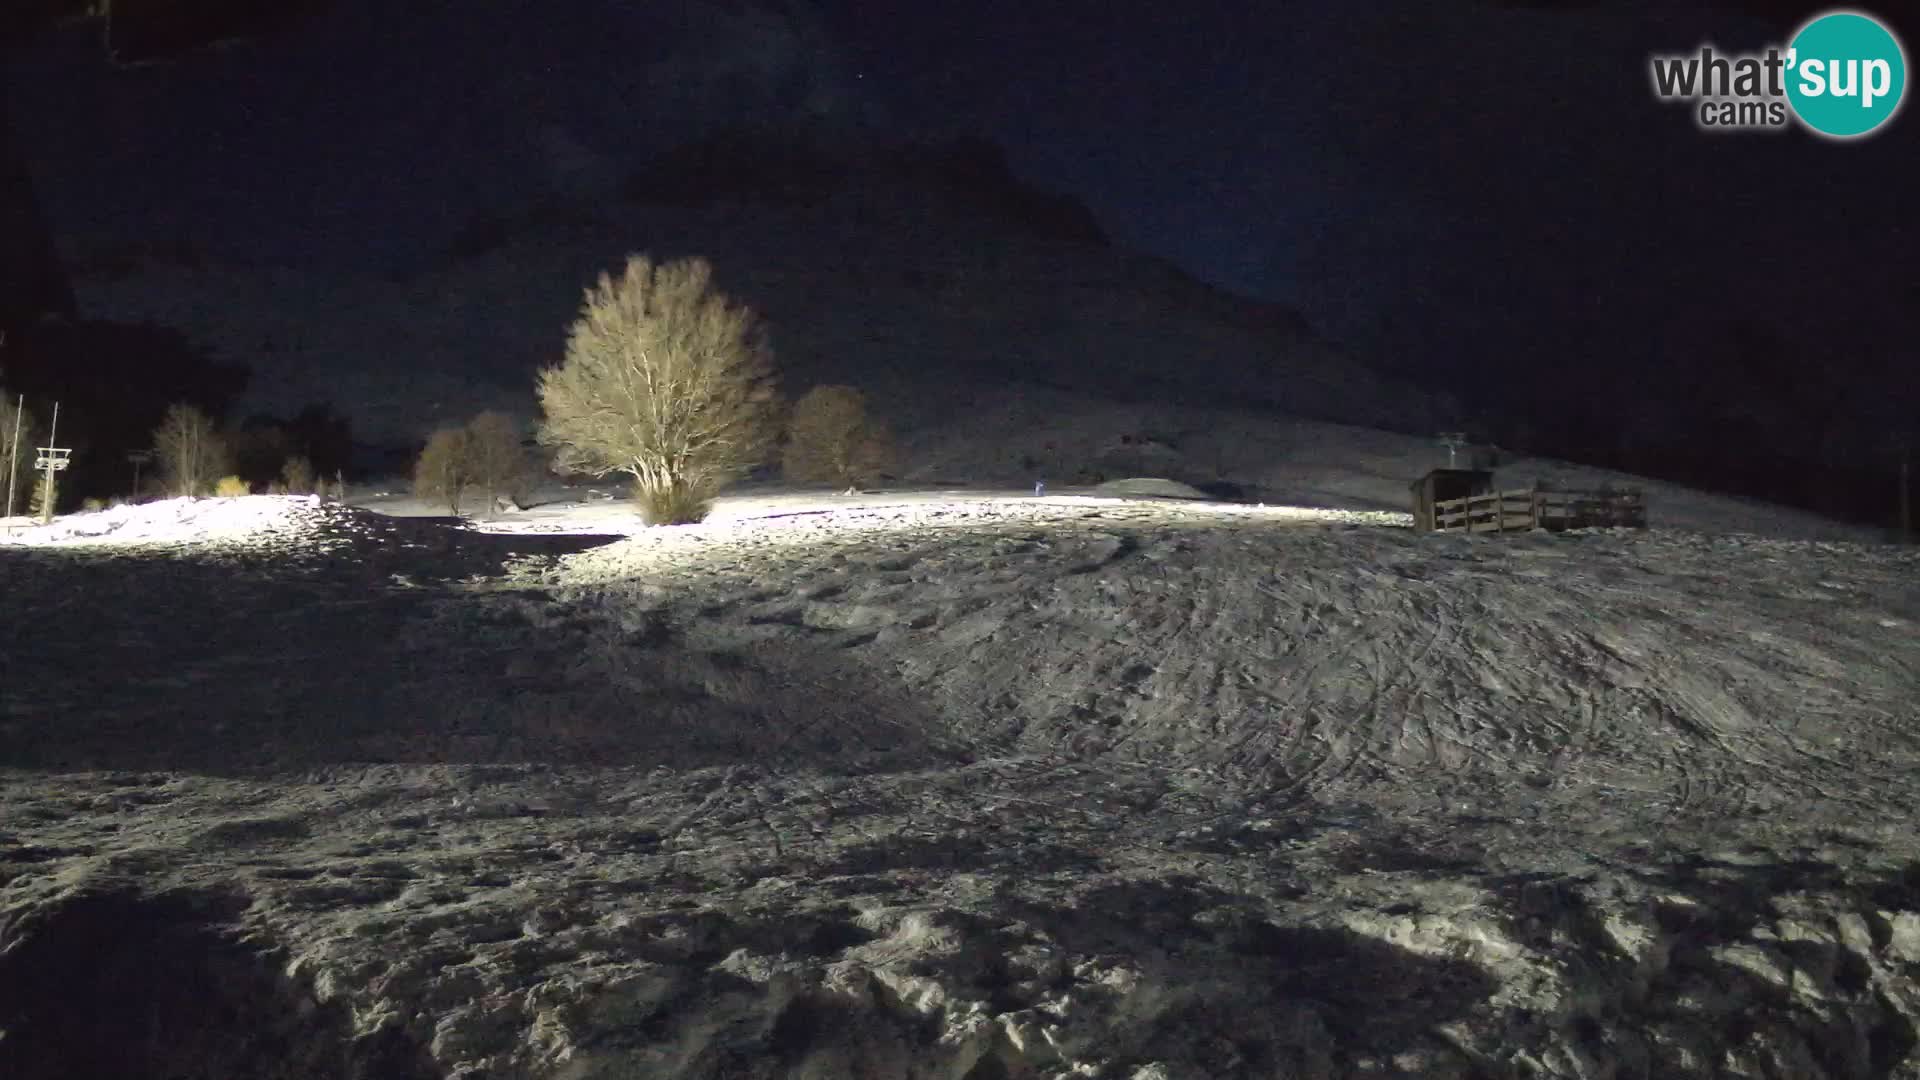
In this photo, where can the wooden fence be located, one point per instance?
(1534, 508)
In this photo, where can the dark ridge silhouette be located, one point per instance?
(135, 31)
(803, 166)
(139, 31)
(36, 283)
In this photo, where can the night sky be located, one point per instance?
(1450, 185)
(1459, 190)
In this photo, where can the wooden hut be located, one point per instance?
(1443, 484)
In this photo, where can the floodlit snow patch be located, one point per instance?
(753, 525)
(178, 522)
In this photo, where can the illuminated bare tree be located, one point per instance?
(445, 468)
(666, 379)
(496, 461)
(191, 452)
(296, 475)
(831, 439)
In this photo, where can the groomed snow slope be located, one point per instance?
(1009, 788)
(1012, 436)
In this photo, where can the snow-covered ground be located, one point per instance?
(187, 524)
(953, 784)
(1013, 436)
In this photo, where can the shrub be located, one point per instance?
(830, 439)
(674, 504)
(296, 476)
(667, 380)
(441, 474)
(231, 487)
(93, 505)
(191, 452)
(496, 461)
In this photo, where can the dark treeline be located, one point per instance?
(1752, 416)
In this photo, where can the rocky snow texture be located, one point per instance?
(999, 789)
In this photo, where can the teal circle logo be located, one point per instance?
(1846, 74)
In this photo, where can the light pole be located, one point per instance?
(53, 459)
(13, 454)
(138, 458)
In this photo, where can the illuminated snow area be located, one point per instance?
(176, 522)
(944, 784)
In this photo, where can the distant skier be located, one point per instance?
(1039, 489)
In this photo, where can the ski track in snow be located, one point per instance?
(1285, 655)
(967, 704)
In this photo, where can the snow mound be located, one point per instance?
(1279, 652)
(745, 532)
(251, 522)
(174, 522)
(1150, 487)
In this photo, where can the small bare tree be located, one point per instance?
(831, 439)
(665, 379)
(497, 462)
(442, 473)
(296, 475)
(191, 452)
